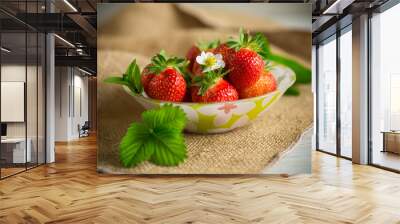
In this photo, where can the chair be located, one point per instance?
(84, 130)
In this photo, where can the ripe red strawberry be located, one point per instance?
(191, 56)
(222, 49)
(163, 79)
(212, 87)
(195, 51)
(188, 96)
(196, 69)
(246, 64)
(146, 76)
(245, 67)
(225, 51)
(265, 84)
(169, 85)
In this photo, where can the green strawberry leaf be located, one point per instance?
(170, 148)
(161, 61)
(129, 71)
(137, 80)
(158, 139)
(131, 79)
(261, 44)
(292, 91)
(170, 115)
(241, 35)
(257, 43)
(303, 74)
(205, 46)
(207, 80)
(133, 147)
(120, 81)
(117, 80)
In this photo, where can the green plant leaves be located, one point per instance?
(261, 44)
(205, 46)
(117, 80)
(303, 74)
(158, 139)
(133, 148)
(208, 80)
(168, 116)
(131, 78)
(292, 91)
(170, 148)
(161, 61)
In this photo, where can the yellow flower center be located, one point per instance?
(210, 61)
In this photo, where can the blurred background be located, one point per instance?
(295, 15)
(138, 27)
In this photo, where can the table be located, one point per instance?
(18, 150)
(391, 141)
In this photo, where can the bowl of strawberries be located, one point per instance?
(219, 86)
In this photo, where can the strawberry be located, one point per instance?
(146, 76)
(222, 49)
(245, 67)
(195, 51)
(191, 56)
(188, 96)
(196, 69)
(246, 64)
(169, 85)
(265, 84)
(164, 79)
(211, 87)
(225, 51)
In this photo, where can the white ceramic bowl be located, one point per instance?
(225, 116)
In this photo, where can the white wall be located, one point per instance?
(16, 73)
(62, 82)
(71, 87)
(34, 125)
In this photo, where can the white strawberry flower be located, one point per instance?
(210, 61)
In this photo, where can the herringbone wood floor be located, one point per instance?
(70, 191)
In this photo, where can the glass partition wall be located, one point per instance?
(385, 89)
(345, 61)
(334, 93)
(22, 107)
(327, 95)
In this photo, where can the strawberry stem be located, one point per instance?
(161, 61)
(206, 81)
(257, 43)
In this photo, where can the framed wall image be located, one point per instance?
(12, 101)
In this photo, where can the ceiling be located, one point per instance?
(329, 15)
(76, 22)
(72, 20)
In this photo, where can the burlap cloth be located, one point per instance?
(140, 31)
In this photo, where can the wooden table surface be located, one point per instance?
(71, 191)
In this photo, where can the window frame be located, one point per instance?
(380, 9)
(342, 26)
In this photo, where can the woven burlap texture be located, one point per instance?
(246, 150)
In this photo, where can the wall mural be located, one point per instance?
(203, 89)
